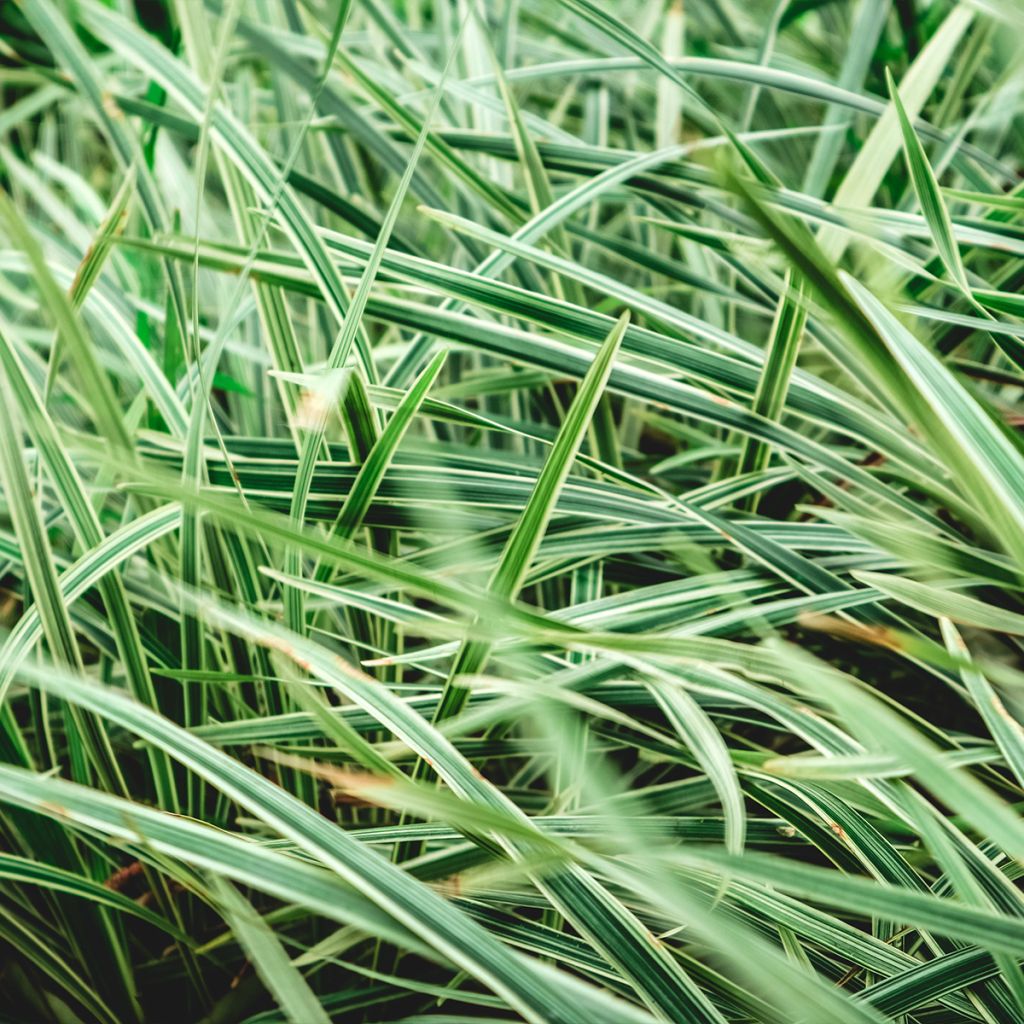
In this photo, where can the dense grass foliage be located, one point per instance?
(511, 511)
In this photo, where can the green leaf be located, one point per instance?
(521, 546)
(275, 968)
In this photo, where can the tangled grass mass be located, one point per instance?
(511, 511)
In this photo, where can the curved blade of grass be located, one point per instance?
(313, 440)
(989, 469)
(46, 876)
(275, 968)
(1005, 729)
(944, 603)
(437, 923)
(773, 384)
(876, 155)
(99, 563)
(524, 540)
(88, 746)
(154, 834)
(86, 525)
(94, 381)
(92, 265)
(987, 929)
(879, 727)
(376, 463)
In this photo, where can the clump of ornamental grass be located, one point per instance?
(511, 511)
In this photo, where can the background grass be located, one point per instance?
(511, 511)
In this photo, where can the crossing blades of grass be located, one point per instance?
(390, 631)
(525, 538)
